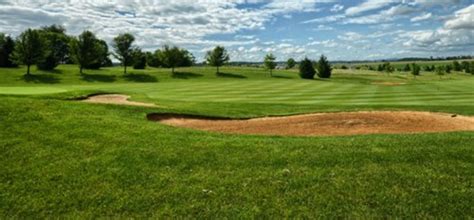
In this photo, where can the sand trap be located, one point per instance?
(116, 99)
(328, 124)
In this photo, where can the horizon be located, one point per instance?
(343, 31)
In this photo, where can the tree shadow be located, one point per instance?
(283, 77)
(50, 79)
(231, 75)
(98, 77)
(140, 77)
(186, 75)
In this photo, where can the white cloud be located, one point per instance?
(337, 8)
(368, 5)
(422, 17)
(463, 19)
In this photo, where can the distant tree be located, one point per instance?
(172, 57)
(371, 68)
(269, 63)
(380, 68)
(139, 59)
(85, 50)
(152, 59)
(388, 68)
(448, 68)
(407, 68)
(306, 69)
(466, 66)
(217, 57)
(344, 67)
(102, 56)
(291, 63)
(415, 70)
(440, 71)
(324, 67)
(7, 46)
(457, 66)
(123, 49)
(29, 49)
(58, 43)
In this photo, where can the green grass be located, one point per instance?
(65, 159)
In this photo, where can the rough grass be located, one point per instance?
(65, 159)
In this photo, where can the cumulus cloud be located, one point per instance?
(422, 17)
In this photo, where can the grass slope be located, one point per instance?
(67, 159)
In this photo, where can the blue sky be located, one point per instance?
(249, 29)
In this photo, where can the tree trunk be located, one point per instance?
(28, 69)
(217, 70)
(271, 73)
(172, 70)
(125, 69)
(80, 69)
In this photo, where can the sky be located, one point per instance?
(249, 29)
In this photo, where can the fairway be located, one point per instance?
(62, 157)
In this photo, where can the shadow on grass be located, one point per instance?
(282, 77)
(50, 79)
(140, 77)
(53, 71)
(186, 75)
(98, 77)
(231, 75)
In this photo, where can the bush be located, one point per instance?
(306, 69)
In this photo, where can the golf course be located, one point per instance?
(66, 157)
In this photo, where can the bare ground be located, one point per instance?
(329, 124)
(116, 99)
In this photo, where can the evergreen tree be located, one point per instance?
(324, 67)
(7, 46)
(306, 69)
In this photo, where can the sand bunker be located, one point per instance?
(115, 99)
(328, 124)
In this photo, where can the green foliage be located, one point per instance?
(139, 59)
(448, 68)
(440, 71)
(217, 57)
(103, 59)
(407, 68)
(466, 66)
(344, 67)
(30, 49)
(457, 66)
(291, 63)
(415, 69)
(58, 43)
(86, 50)
(123, 49)
(7, 46)
(307, 70)
(152, 59)
(388, 68)
(173, 57)
(270, 63)
(324, 67)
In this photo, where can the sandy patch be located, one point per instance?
(328, 124)
(116, 99)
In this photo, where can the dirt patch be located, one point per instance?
(116, 99)
(389, 83)
(328, 124)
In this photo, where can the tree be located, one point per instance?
(172, 57)
(448, 68)
(139, 59)
(85, 50)
(407, 68)
(7, 46)
(306, 69)
(152, 59)
(344, 67)
(123, 48)
(291, 63)
(380, 68)
(466, 66)
(324, 67)
(102, 56)
(29, 49)
(415, 70)
(388, 68)
(457, 66)
(440, 70)
(217, 57)
(58, 43)
(269, 63)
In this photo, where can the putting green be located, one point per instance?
(30, 90)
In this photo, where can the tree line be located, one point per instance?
(49, 46)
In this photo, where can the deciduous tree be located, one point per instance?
(123, 49)
(217, 57)
(85, 50)
(291, 63)
(29, 49)
(269, 63)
